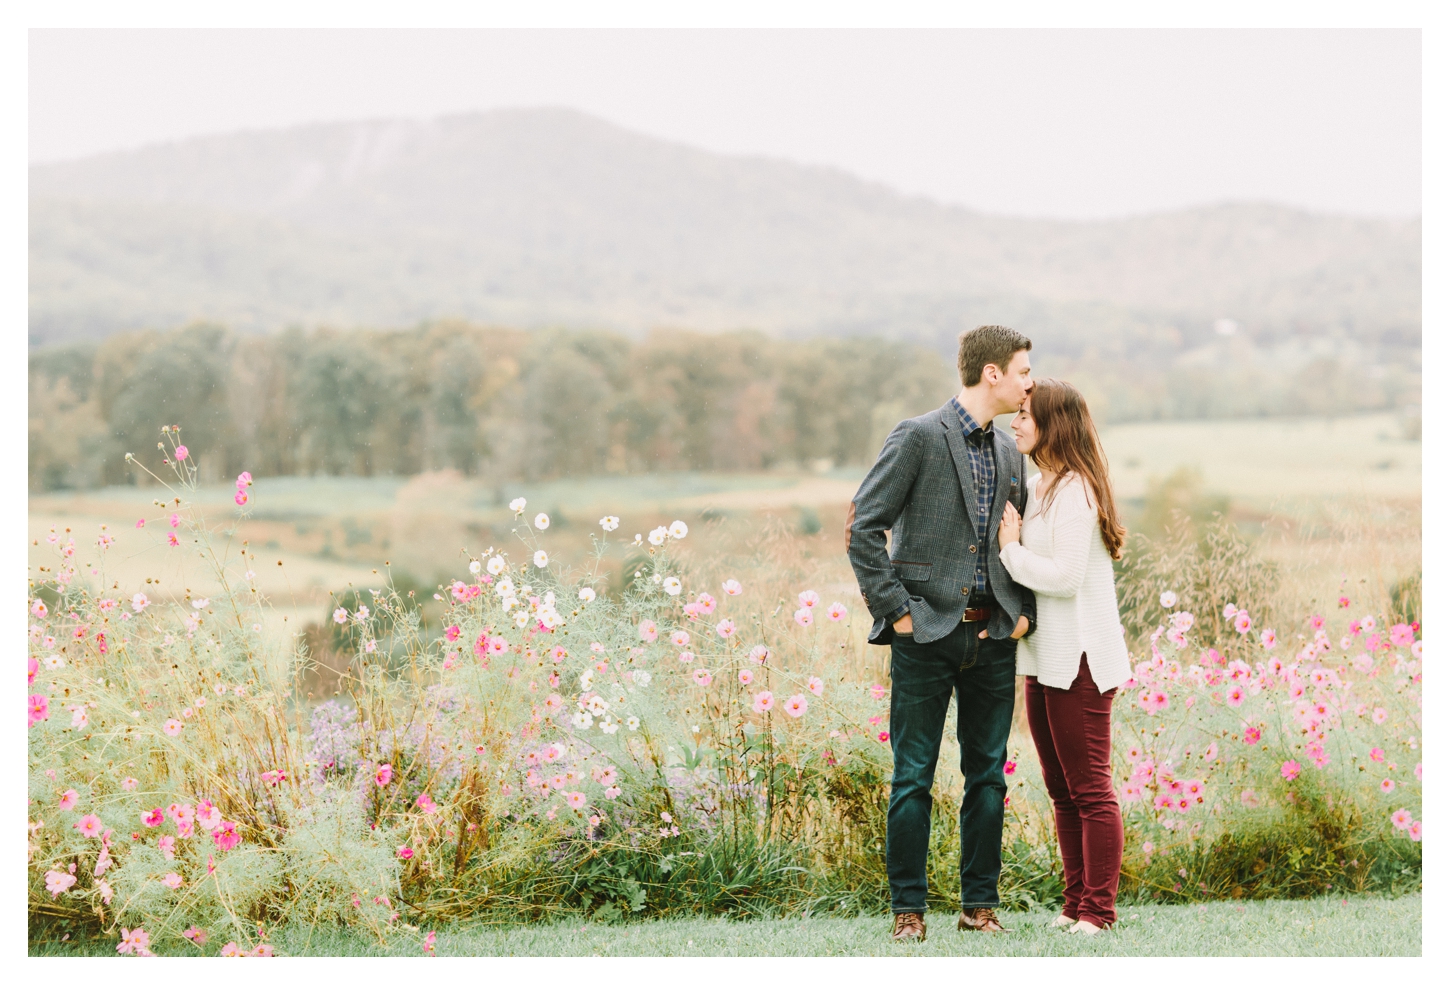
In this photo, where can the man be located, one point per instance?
(951, 614)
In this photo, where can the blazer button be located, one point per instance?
(966, 590)
(972, 548)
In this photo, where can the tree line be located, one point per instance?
(498, 402)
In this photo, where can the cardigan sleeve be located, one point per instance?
(1073, 526)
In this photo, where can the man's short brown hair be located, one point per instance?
(995, 344)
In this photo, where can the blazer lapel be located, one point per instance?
(957, 442)
(1009, 477)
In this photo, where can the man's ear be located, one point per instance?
(992, 374)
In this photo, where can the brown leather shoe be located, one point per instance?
(981, 918)
(909, 927)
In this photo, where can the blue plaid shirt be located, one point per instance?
(982, 457)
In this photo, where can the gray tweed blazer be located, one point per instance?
(920, 489)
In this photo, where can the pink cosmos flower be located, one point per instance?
(38, 609)
(452, 633)
(883, 736)
(764, 701)
(207, 816)
(134, 942)
(1387, 785)
(1401, 819)
(1290, 769)
(1242, 622)
(430, 943)
(878, 692)
(172, 727)
(725, 629)
(195, 934)
(139, 602)
(612, 792)
(808, 599)
(648, 631)
(425, 804)
(181, 453)
(795, 706)
(1009, 767)
(576, 800)
(553, 703)
(686, 657)
(1235, 696)
(153, 819)
(732, 587)
(1249, 799)
(245, 479)
(816, 686)
(240, 498)
(1379, 716)
(32, 666)
(1343, 602)
(680, 638)
(1251, 735)
(1211, 753)
(746, 677)
(90, 826)
(703, 678)
(171, 539)
(404, 852)
(760, 654)
(166, 845)
(1316, 622)
(130, 783)
(1414, 830)
(225, 836)
(171, 880)
(68, 800)
(1377, 755)
(836, 612)
(384, 775)
(58, 882)
(1131, 793)
(231, 950)
(497, 645)
(1417, 770)
(1268, 639)
(705, 603)
(804, 617)
(141, 523)
(38, 708)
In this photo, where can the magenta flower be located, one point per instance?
(240, 498)
(452, 633)
(404, 852)
(384, 775)
(181, 453)
(1009, 767)
(153, 819)
(38, 708)
(32, 667)
(883, 736)
(1290, 769)
(1251, 735)
(90, 826)
(225, 836)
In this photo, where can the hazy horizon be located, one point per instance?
(1070, 125)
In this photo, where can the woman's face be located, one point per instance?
(1024, 428)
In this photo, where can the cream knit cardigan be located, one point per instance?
(1061, 557)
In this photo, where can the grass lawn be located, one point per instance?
(1354, 926)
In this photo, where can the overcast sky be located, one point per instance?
(1072, 124)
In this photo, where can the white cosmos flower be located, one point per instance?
(657, 578)
(1168, 600)
(609, 523)
(521, 619)
(632, 722)
(596, 705)
(641, 678)
(542, 521)
(672, 585)
(586, 595)
(518, 505)
(200, 603)
(505, 587)
(55, 661)
(496, 564)
(509, 602)
(550, 618)
(658, 535)
(678, 530)
(609, 728)
(474, 567)
(541, 559)
(582, 719)
(586, 680)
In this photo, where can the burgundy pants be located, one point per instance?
(1072, 732)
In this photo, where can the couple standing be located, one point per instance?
(991, 575)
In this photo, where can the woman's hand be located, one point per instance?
(1009, 531)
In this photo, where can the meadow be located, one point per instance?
(389, 709)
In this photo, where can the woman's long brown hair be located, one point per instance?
(1068, 441)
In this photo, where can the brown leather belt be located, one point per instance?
(976, 615)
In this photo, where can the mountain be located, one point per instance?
(550, 217)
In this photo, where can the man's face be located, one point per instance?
(1013, 385)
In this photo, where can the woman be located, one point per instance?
(1063, 549)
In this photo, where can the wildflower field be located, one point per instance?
(648, 731)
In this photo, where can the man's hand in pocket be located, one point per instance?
(1017, 634)
(903, 625)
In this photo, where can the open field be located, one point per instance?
(1328, 927)
(1328, 496)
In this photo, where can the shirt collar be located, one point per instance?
(969, 423)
